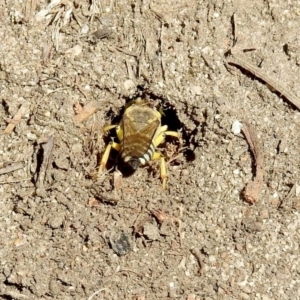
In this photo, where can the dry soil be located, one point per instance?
(65, 234)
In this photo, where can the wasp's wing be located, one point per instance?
(149, 130)
(144, 136)
(128, 127)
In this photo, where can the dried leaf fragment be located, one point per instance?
(84, 112)
(74, 51)
(160, 215)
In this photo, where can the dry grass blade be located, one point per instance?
(95, 294)
(30, 7)
(253, 188)
(47, 51)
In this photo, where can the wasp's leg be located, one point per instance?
(163, 168)
(160, 138)
(105, 156)
(107, 128)
(161, 130)
(119, 132)
(113, 145)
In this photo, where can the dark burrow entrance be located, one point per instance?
(169, 118)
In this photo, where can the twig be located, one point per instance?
(127, 52)
(253, 188)
(130, 70)
(197, 255)
(284, 203)
(15, 181)
(239, 60)
(161, 51)
(47, 151)
(12, 167)
(16, 119)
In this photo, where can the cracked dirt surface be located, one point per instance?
(64, 238)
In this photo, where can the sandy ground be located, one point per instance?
(65, 235)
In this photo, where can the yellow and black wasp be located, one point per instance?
(139, 133)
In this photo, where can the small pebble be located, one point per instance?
(120, 243)
(129, 84)
(151, 232)
(55, 222)
(236, 127)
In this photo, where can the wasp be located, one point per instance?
(140, 132)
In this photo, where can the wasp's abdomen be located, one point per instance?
(137, 150)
